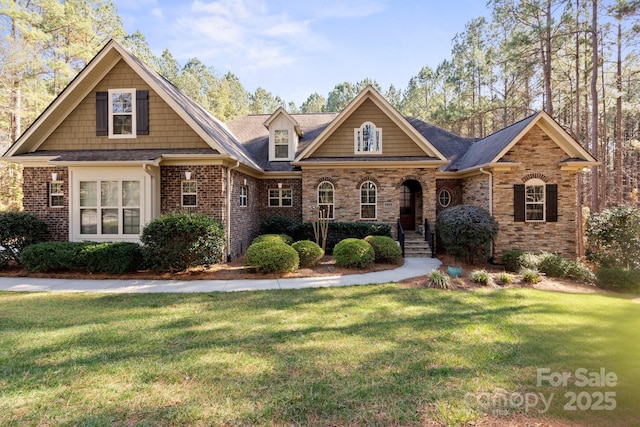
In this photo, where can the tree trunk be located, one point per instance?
(595, 194)
(618, 128)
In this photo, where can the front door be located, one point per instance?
(408, 207)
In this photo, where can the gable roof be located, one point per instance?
(369, 93)
(209, 128)
(282, 111)
(492, 148)
(254, 136)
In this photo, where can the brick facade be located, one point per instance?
(36, 199)
(245, 220)
(294, 212)
(454, 186)
(347, 184)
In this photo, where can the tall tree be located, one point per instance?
(340, 96)
(315, 103)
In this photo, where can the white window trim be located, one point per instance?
(183, 193)
(375, 204)
(149, 205)
(332, 209)
(359, 130)
(52, 194)
(280, 198)
(133, 113)
(244, 196)
(275, 144)
(440, 194)
(536, 182)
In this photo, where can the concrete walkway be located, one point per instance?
(412, 267)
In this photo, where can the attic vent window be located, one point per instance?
(367, 139)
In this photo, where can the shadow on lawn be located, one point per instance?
(370, 355)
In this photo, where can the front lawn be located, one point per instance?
(364, 355)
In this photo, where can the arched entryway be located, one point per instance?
(410, 204)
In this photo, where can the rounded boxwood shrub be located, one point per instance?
(273, 238)
(309, 252)
(113, 257)
(179, 240)
(467, 231)
(54, 256)
(353, 253)
(272, 257)
(387, 250)
(17, 231)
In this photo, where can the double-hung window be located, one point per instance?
(281, 144)
(280, 197)
(325, 199)
(534, 200)
(122, 108)
(189, 193)
(109, 207)
(56, 194)
(244, 193)
(368, 200)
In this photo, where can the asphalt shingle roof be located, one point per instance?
(115, 155)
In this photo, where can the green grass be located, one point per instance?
(365, 355)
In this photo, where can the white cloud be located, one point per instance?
(157, 12)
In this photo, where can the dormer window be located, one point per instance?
(281, 144)
(367, 139)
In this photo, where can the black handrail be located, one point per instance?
(430, 237)
(401, 237)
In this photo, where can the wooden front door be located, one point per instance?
(407, 207)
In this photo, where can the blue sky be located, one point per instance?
(295, 48)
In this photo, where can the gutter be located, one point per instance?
(229, 169)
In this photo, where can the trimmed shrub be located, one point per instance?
(505, 279)
(272, 257)
(273, 238)
(467, 231)
(618, 279)
(103, 257)
(54, 256)
(481, 277)
(513, 259)
(580, 271)
(387, 250)
(438, 279)
(276, 224)
(113, 257)
(553, 265)
(353, 253)
(176, 241)
(308, 252)
(17, 231)
(339, 231)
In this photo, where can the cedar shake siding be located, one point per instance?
(539, 157)
(395, 141)
(165, 128)
(36, 199)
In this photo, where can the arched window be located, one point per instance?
(325, 199)
(368, 200)
(367, 139)
(444, 198)
(535, 197)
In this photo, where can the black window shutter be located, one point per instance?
(142, 112)
(102, 113)
(552, 202)
(518, 202)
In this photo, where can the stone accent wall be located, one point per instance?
(455, 189)
(211, 186)
(245, 220)
(36, 199)
(294, 212)
(475, 191)
(538, 155)
(388, 181)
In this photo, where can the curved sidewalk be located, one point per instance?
(412, 267)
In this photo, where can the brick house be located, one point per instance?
(121, 145)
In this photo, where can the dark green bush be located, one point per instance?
(618, 279)
(308, 252)
(553, 265)
(282, 238)
(104, 257)
(177, 241)
(339, 231)
(387, 250)
(353, 253)
(272, 257)
(613, 237)
(513, 260)
(113, 257)
(467, 231)
(276, 224)
(17, 231)
(54, 256)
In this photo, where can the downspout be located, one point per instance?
(237, 165)
(490, 205)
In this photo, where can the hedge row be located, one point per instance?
(339, 231)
